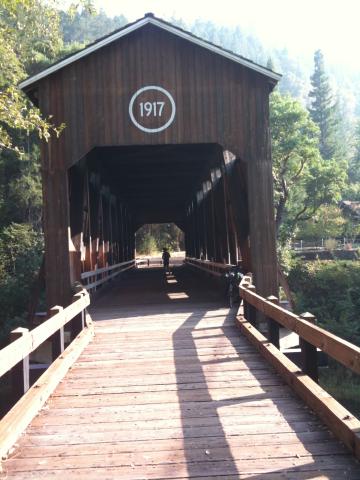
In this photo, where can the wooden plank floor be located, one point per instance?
(169, 390)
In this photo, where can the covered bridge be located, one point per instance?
(161, 126)
(166, 382)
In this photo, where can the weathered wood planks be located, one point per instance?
(173, 408)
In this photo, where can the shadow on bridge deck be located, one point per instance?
(168, 389)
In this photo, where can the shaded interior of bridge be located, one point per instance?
(115, 190)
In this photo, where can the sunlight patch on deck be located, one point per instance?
(177, 295)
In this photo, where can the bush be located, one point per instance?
(147, 245)
(21, 249)
(331, 291)
(330, 244)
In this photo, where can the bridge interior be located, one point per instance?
(116, 190)
(169, 389)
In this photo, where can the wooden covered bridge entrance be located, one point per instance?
(160, 127)
(163, 383)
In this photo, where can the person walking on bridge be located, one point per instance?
(166, 259)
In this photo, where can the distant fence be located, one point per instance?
(321, 244)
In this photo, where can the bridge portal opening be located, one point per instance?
(116, 191)
(151, 238)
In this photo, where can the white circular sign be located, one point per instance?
(160, 107)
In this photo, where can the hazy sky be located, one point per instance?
(300, 25)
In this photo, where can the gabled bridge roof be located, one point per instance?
(131, 27)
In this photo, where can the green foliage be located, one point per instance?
(303, 181)
(322, 107)
(146, 245)
(331, 291)
(20, 187)
(86, 27)
(29, 31)
(354, 164)
(327, 222)
(28, 28)
(154, 237)
(21, 249)
(343, 385)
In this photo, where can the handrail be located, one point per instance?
(93, 273)
(214, 268)
(29, 399)
(334, 346)
(17, 350)
(339, 349)
(303, 380)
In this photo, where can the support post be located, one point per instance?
(260, 193)
(57, 340)
(309, 352)
(245, 304)
(273, 326)
(78, 322)
(20, 374)
(251, 309)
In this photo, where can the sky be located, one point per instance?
(301, 26)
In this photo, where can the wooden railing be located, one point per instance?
(94, 278)
(343, 424)
(14, 358)
(213, 268)
(312, 337)
(344, 352)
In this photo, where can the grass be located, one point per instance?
(342, 385)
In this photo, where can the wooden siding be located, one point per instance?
(215, 97)
(218, 102)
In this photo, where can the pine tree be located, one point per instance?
(270, 64)
(322, 107)
(354, 166)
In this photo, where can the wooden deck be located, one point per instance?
(169, 390)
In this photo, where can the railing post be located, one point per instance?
(309, 352)
(57, 340)
(245, 303)
(273, 326)
(20, 374)
(78, 322)
(251, 310)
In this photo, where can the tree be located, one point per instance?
(322, 108)
(303, 181)
(87, 26)
(29, 29)
(154, 237)
(354, 164)
(327, 222)
(20, 258)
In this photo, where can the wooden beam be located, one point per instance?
(260, 191)
(273, 326)
(56, 208)
(339, 420)
(78, 321)
(19, 417)
(309, 352)
(20, 375)
(57, 339)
